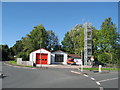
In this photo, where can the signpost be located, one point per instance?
(100, 66)
(92, 59)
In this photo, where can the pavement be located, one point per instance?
(51, 66)
(74, 68)
(20, 77)
(63, 66)
(55, 66)
(88, 72)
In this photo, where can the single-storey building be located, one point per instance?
(43, 56)
(59, 57)
(40, 56)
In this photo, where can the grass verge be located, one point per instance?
(15, 63)
(111, 69)
(12, 62)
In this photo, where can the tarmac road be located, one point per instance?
(55, 78)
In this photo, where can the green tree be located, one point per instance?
(77, 37)
(108, 40)
(53, 43)
(74, 40)
(5, 52)
(38, 38)
(104, 41)
(17, 47)
(95, 38)
(11, 54)
(68, 44)
(104, 57)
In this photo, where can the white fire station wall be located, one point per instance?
(59, 52)
(33, 55)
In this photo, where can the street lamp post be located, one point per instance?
(40, 57)
(82, 62)
(111, 58)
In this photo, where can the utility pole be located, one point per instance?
(81, 57)
(40, 57)
(111, 58)
(82, 62)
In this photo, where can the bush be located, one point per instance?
(104, 58)
(12, 62)
(23, 56)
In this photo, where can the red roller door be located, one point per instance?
(43, 57)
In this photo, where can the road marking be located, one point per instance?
(98, 83)
(101, 88)
(76, 72)
(107, 79)
(85, 75)
(92, 78)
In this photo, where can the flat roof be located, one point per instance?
(74, 55)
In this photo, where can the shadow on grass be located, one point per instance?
(101, 71)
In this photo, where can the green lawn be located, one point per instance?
(15, 63)
(12, 62)
(114, 69)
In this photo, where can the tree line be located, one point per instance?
(105, 42)
(39, 37)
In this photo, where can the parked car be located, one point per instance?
(71, 61)
(97, 63)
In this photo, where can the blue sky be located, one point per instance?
(19, 18)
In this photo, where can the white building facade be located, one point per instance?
(43, 56)
(40, 56)
(59, 57)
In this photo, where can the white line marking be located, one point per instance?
(85, 75)
(98, 83)
(101, 88)
(92, 78)
(75, 72)
(107, 79)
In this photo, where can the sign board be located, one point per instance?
(92, 58)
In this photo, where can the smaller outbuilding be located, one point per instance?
(59, 57)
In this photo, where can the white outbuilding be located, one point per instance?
(40, 56)
(43, 56)
(59, 57)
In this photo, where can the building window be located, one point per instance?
(58, 58)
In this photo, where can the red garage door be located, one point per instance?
(41, 58)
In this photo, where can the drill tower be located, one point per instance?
(87, 43)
